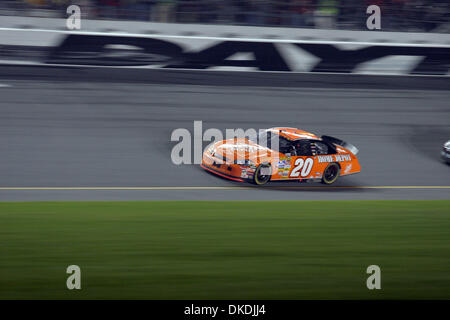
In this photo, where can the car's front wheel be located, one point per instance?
(331, 173)
(262, 175)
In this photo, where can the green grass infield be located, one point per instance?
(225, 250)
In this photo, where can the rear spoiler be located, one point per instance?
(341, 143)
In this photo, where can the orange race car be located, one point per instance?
(281, 154)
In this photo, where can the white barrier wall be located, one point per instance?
(158, 45)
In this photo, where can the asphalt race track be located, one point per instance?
(62, 140)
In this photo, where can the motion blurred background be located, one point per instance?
(85, 130)
(398, 15)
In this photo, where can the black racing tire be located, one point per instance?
(259, 178)
(331, 173)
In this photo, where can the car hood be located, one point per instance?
(243, 149)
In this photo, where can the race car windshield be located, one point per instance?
(272, 141)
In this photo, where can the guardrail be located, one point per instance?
(203, 47)
(96, 49)
(224, 31)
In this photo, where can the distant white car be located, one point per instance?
(445, 153)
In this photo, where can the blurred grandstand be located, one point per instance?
(397, 15)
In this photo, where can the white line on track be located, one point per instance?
(225, 188)
(4, 85)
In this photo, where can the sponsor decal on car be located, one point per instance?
(336, 158)
(348, 168)
(284, 173)
(342, 157)
(325, 159)
(284, 166)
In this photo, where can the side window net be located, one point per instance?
(321, 148)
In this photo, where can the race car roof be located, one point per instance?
(293, 133)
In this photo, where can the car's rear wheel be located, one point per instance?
(331, 173)
(262, 175)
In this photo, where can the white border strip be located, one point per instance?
(122, 34)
